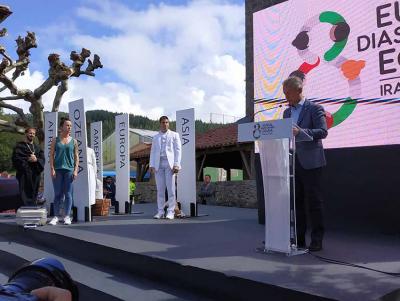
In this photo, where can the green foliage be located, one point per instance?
(5, 157)
(7, 143)
(137, 122)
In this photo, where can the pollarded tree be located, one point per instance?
(58, 75)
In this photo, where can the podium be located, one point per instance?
(277, 148)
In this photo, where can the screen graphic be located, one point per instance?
(347, 53)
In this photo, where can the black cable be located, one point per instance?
(339, 262)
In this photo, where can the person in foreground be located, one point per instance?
(165, 161)
(64, 163)
(28, 160)
(51, 293)
(309, 161)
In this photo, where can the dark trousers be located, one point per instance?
(115, 204)
(308, 198)
(29, 182)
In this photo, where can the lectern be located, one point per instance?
(277, 148)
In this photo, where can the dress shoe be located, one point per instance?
(315, 246)
(159, 215)
(170, 215)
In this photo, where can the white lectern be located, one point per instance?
(277, 149)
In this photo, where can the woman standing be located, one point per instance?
(64, 164)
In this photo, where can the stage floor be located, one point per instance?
(226, 241)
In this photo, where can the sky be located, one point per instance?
(158, 56)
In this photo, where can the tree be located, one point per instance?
(58, 75)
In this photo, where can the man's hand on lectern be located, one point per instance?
(296, 131)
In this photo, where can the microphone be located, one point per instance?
(271, 108)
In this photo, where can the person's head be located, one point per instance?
(109, 180)
(164, 123)
(65, 126)
(5, 174)
(30, 134)
(293, 90)
(207, 179)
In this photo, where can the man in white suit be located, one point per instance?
(165, 160)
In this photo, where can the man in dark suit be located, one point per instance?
(309, 161)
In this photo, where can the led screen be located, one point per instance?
(348, 53)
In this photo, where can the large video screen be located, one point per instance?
(348, 53)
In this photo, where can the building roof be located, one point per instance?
(218, 137)
(142, 132)
(224, 136)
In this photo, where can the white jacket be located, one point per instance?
(173, 149)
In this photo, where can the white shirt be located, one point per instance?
(163, 152)
(296, 110)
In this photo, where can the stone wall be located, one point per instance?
(232, 194)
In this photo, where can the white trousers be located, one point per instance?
(165, 179)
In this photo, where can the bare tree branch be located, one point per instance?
(43, 88)
(6, 126)
(3, 88)
(15, 97)
(79, 60)
(61, 89)
(23, 46)
(58, 75)
(3, 53)
(12, 130)
(21, 120)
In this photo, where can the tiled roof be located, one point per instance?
(219, 137)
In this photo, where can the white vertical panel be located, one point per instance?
(50, 132)
(81, 184)
(274, 155)
(122, 163)
(96, 143)
(185, 126)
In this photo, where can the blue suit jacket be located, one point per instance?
(312, 120)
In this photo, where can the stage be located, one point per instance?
(215, 256)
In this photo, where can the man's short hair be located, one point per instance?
(29, 128)
(163, 118)
(207, 175)
(293, 82)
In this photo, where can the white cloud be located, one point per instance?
(175, 56)
(160, 60)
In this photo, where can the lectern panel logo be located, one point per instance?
(262, 129)
(256, 131)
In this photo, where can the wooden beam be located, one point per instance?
(201, 167)
(139, 172)
(210, 151)
(245, 163)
